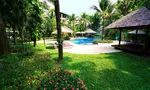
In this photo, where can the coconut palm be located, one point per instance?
(83, 21)
(94, 22)
(106, 10)
(72, 21)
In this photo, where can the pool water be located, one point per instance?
(83, 40)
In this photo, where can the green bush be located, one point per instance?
(50, 47)
(63, 80)
(19, 48)
(23, 71)
(102, 41)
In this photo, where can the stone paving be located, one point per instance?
(88, 48)
(92, 49)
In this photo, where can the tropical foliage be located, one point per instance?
(106, 10)
(27, 67)
(95, 22)
(63, 80)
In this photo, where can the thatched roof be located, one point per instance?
(90, 31)
(64, 29)
(138, 18)
(80, 32)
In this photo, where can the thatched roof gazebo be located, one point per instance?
(139, 18)
(64, 30)
(90, 31)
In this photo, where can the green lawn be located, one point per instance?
(25, 71)
(114, 71)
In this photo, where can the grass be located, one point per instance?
(22, 71)
(114, 71)
(102, 41)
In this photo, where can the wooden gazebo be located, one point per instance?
(139, 19)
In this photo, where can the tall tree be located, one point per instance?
(34, 19)
(95, 22)
(105, 9)
(11, 14)
(59, 37)
(83, 21)
(72, 22)
(4, 46)
(59, 40)
(125, 6)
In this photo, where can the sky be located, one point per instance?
(77, 7)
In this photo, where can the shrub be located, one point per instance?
(102, 41)
(19, 48)
(63, 80)
(50, 47)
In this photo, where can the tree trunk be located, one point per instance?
(14, 35)
(103, 29)
(21, 36)
(44, 39)
(59, 39)
(34, 42)
(4, 45)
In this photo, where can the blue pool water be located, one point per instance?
(83, 40)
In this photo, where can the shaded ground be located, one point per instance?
(114, 71)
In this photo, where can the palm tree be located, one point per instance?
(125, 6)
(94, 22)
(105, 9)
(83, 21)
(72, 21)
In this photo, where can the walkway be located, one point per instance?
(92, 49)
(87, 49)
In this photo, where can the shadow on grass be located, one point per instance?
(131, 71)
(115, 71)
(20, 73)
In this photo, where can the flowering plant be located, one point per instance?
(63, 80)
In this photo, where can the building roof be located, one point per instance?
(64, 29)
(64, 13)
(90, 31)
(138, 18)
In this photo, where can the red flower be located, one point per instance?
(64, 88)
(77, 88)
(83, 86)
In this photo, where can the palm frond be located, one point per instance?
(103, 4)
(96, 8)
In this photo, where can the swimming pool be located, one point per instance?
(83, 40)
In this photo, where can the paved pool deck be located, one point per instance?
(88, 48)
(92, 48)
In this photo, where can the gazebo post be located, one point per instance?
(120, 37)
(146, 39)
(136, 36)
